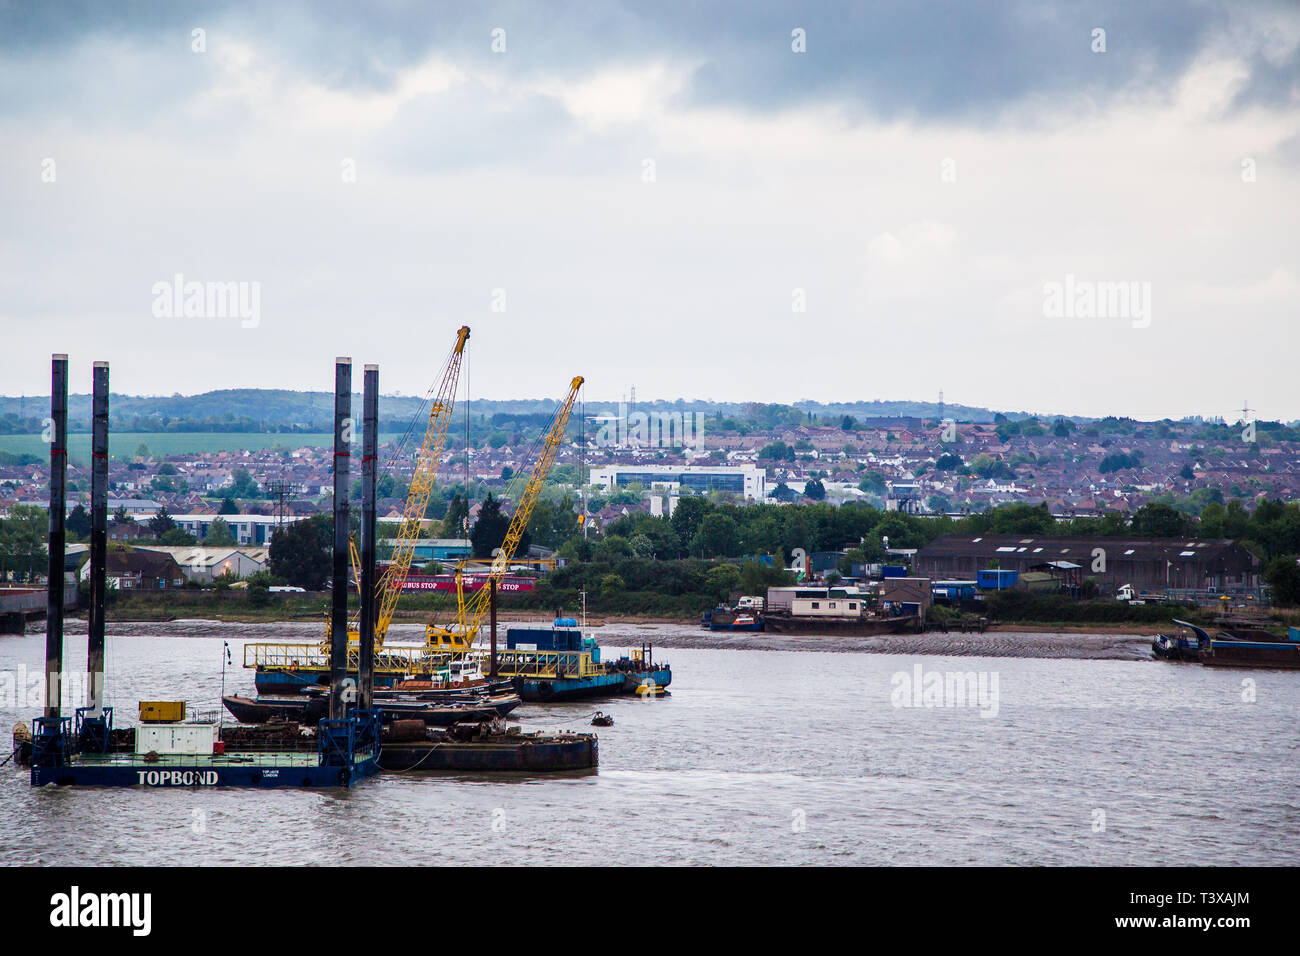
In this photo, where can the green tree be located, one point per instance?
(718, 536)
(161, 523)
(814, 489)
(242, 484)
(722, 580)
(778, 451)
(490, 528)
(78, 521)
(1155, 520)
(453, 526)
(228, 507)
(687, 517)
(219, 534)
(23, 536)
(301, 553)
(1283, 576)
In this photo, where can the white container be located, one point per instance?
(193, 739)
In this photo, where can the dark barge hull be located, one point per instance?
(272, 682)
(309, 710)
(784, 624)
(504, 753)
(1279, 655)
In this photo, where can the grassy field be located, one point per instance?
(124, 444)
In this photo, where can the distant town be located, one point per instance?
(641, 458)
(199, 499)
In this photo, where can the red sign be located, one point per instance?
(471, 582)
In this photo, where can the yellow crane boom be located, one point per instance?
(459, 637)
(422, 482)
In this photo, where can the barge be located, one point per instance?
(1238, 647)
(485, 747)
(307, 709)
(1253, 648)
(861, 626)
(343, 752)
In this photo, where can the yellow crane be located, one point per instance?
(417, 499)
(458, 637)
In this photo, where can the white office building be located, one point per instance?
(247, 529)
(747, 480)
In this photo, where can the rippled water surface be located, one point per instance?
(758, 757)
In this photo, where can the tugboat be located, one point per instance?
(559, 663)
(1181, 646)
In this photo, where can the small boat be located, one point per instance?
(650, 689)
(725, 619)
(602, 720)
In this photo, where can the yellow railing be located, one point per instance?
(315, 657)
(513, 663)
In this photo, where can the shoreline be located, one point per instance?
(1125, 642)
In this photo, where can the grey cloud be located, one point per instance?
(925, 58)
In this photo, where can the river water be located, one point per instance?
(758, 757)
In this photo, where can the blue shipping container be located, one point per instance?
(995, 579)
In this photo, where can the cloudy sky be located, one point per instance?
(667, 195)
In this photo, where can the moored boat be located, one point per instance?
(1185, 645)
(307, 710)
(727, 619)
(559, 663)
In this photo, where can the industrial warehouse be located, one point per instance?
(1153, 564)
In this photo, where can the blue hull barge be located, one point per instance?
(348, 750)
(558, 663)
